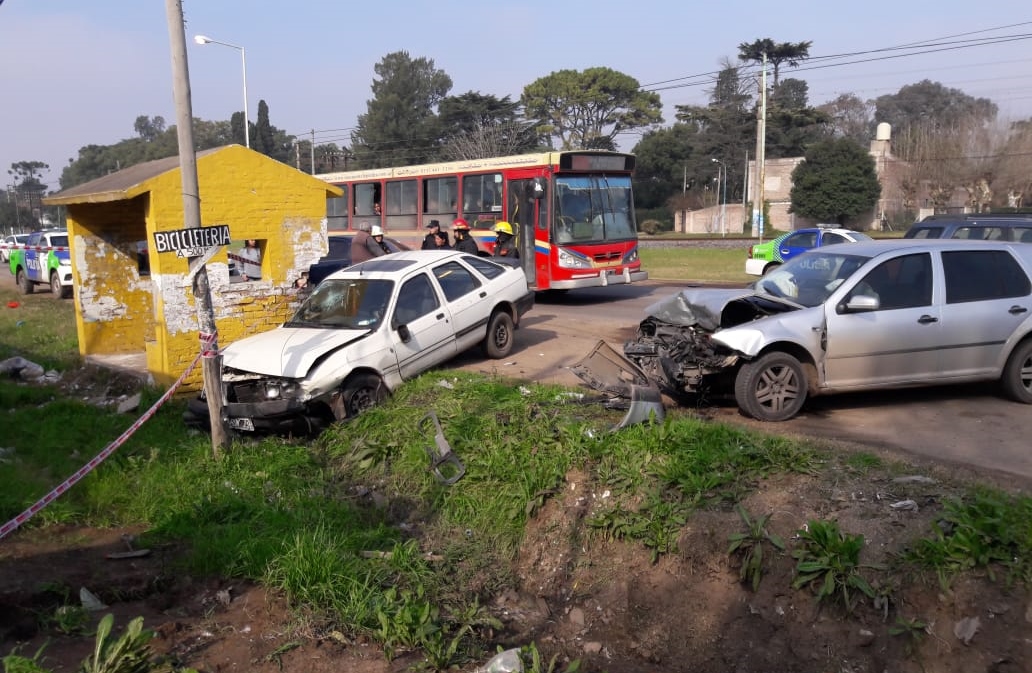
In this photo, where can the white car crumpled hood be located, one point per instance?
(289, 352)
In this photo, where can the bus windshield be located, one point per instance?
(590, 209)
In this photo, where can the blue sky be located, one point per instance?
(80, 72)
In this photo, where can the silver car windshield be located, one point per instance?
(810, 278)
(345, 304)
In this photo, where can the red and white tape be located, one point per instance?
(17, 521)
(37, 248)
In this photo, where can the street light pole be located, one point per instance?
(203, 39)
(723, 198)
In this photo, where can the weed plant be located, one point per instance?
(749, 545)
(988, 530)
(829, 563)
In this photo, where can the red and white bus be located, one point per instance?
(572, 212)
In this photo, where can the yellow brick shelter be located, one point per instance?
(134, 302)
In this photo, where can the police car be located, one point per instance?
(45, 260)
(764, 257)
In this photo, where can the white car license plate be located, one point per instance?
(241, 424)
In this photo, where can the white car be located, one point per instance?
(9, 243)
(362, 332)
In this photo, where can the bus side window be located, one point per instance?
(367, 196)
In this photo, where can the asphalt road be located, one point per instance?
(971, 425)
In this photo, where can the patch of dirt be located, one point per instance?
(605, 603)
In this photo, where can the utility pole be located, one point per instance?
(312, 151)
(211, 361)
(761, 150)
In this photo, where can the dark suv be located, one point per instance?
(975, 226)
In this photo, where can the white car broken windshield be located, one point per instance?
(353, 303)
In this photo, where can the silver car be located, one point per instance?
(881, 314)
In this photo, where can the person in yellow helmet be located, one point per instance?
(505, 243)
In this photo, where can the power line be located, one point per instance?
(913, 49)
(922, 47)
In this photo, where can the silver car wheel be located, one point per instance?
(771, 388)
(1017, 375)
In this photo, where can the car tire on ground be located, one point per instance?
(23, 282)
(499, 339)
(771, 388)
(55, 285)
(362, 392)
(1017, 374)
(770, 267)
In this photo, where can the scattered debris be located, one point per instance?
(441, 455)
(130, 404)
(130, 551)
(907, 505)
(966, 629)
(90, 601)
(608, 372)
(21, 368)
(508, 661)
(913, 479)
(444, 383)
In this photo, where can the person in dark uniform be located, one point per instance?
(505, 244)
(434, 228)
(463, 241)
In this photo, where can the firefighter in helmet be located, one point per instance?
(505, 244)
(463, 241)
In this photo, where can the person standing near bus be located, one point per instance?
(429, 241)
(463, 241)
(505, 243)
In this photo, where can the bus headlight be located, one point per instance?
(568, 259)
(631, 256)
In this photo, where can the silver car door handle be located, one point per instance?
(483, 294)
(1014, 310)
(439, 316)
(926, 319)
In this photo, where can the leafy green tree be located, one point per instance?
(236, 126)
(792, 125)
(268, 139)
(724, 130)
(475, 126)
(23, 203)
(662, 156)
(929, 108)
(149, 128)
(400, 125)
(849, 117)
(791, 53)
(587, 110)
(835, 182)
(28, 175)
